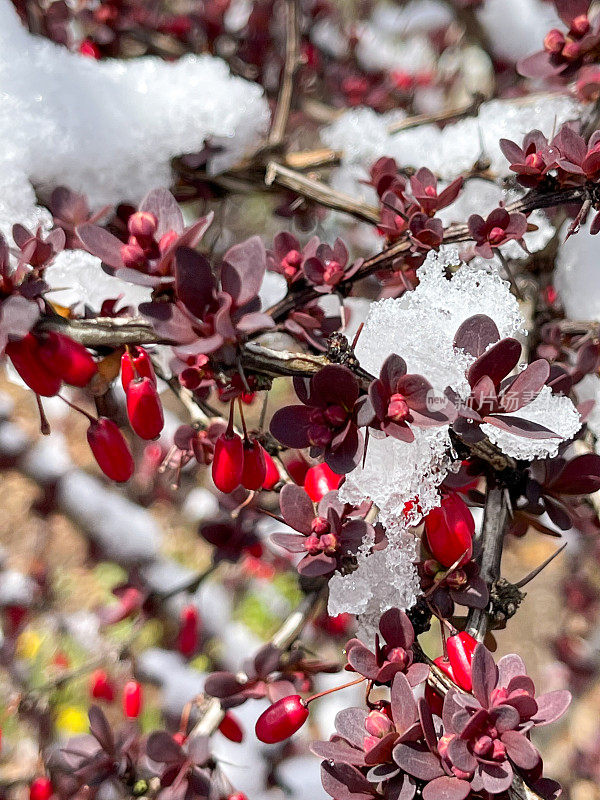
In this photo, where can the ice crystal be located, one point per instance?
(385, 579)
(420, 327)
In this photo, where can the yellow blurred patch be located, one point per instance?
(28, 645)
(71, 719)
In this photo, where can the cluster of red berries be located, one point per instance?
(241, 461)
(145, 413)
(44, 362)
(102, 687)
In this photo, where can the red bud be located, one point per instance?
(132, 699)
(167, 240)
(187, 639)
(272, 476)
(142, 224)
(136, 364)
(449, 531)
(282, 719)
(319, 480)
(26, 359)
(144, 408)
(228, 462)
(254, 470)
(41, 789)
(101, 687)
(110, 449)
(554, 41)
(133, 256)
(231, 728)
(460, 649)
(67, 359)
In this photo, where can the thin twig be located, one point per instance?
(320, 192)
(465, 110)
(292, 62)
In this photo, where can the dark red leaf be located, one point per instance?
(484, 674)
(476, 334)
(496, 362)
(243, 270)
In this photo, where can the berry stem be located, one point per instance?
(44, 424)
(77, 408)
(335, 689)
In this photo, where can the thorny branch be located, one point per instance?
(491, 540)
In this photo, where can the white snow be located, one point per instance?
(577, 274)
(380, 51)
(555, 412)
(363, 136)
(420, 327)
(516, 28)
(76, 279)
(109, 129)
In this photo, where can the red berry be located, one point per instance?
(26, 359)
(110, 449)
(132, 699)
(101, 687)
(449, 531)
(136, 363)
(179, 737)
(297, 469)
(89, 49)
(15, 617)
(282, 719)
(67, 359)
(228, 462)
(460, 649)
(272, 476)
(254, 470)
(319, 480)
(231, 728)
(188, 636)
(41, 789)
(144, 408)
(237, 796)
